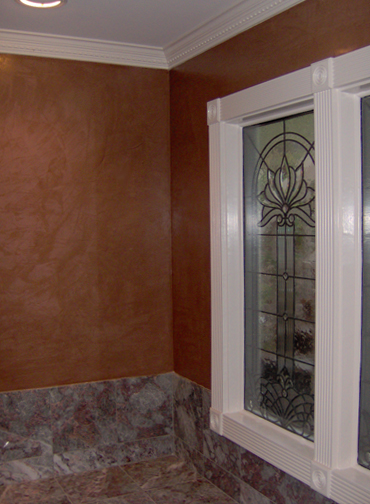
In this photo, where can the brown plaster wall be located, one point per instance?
(309, 32)
(85, 249)
(85, 252)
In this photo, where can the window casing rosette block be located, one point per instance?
(333, 89)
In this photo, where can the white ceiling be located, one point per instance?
(146, 22)
(157, 33)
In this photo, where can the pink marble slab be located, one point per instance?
(93, 485)
(36, 492)
(161, 472)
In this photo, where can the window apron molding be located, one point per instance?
(333, 89)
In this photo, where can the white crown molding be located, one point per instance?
(74, 48)
(232, 22)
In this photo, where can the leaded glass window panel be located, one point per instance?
(364, 430)
(279, 270)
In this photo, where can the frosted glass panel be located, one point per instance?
(279, 265)
(364, 434)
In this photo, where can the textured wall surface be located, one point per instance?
(85, 252)
(309, 32)
(85, 246)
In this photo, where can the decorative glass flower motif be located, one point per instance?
(286, 196)
(282, 404)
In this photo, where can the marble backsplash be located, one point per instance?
(82, 427)
(76, 428)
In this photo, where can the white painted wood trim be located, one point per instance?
(271, 443)
(245, 106)
(232, 22)
(325, 280)
(350, 486)
(70, 48)
(329, 464)
(216, 272)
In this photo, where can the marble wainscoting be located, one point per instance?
(94, 426)
(76, 428)
(240, 474)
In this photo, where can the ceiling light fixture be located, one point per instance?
(42, 4)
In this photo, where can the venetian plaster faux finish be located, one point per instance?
(85, 260)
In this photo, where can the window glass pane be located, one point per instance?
(279, 265)
(364, 431)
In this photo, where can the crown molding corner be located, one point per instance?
(239, 18)
(80, 49)
(232, 22)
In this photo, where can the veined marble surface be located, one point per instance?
(247, 479)
(77, 428)
(166, 480)
(86, 435)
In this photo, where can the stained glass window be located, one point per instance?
(364, 431)
(279, 268)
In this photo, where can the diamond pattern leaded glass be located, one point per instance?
(279, 250)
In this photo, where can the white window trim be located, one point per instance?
(333, 89)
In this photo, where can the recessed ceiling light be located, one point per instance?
(45, 4)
